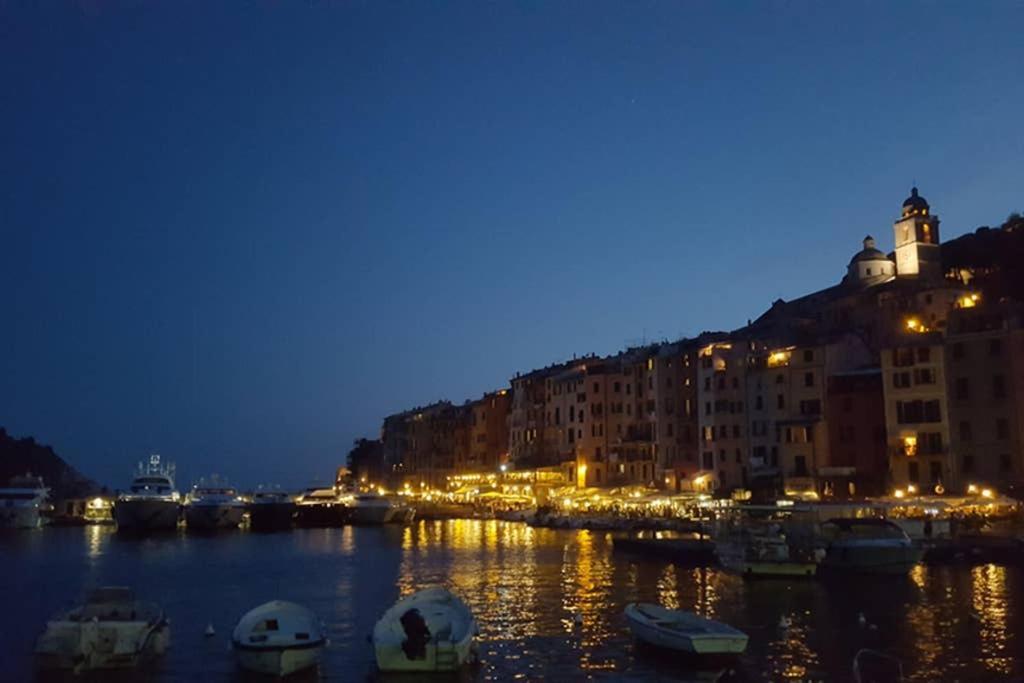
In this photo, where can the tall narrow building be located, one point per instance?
(917, 240)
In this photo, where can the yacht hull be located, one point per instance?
(271, 516)
(872, 559)
(146, 515)
(371, 514)
(317, 516)
(199, 517)
(20, 518)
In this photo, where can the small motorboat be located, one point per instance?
(683, 631)
(111, 630)
(871, 546)
(767, 552)
(431, 630)
(278, 638)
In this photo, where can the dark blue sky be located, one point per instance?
(238, 234)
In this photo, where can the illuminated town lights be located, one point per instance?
(972, 488)
(987, 493)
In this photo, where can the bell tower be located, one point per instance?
(917, 240)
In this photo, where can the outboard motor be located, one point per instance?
(417, 635)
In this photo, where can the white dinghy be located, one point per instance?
(111, 630)
(683, 631)
(278, 638)
(432, 630)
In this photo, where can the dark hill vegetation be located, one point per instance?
(994, 257)
(21, 456)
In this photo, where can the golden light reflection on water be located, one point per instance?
(707, 595)
(543, 596)
(668, 589)
(94, 538)
(790, 656)
(586, 599)
(988, 597)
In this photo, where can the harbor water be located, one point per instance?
(549, 602)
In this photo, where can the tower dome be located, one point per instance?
(915, 204)
(869, 266)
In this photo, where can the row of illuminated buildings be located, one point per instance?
(899, 377)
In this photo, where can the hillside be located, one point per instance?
(18, 456)
(994, 257)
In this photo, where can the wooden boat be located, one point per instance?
(432, 630)
(278, 638)
(111, 630)
(683, 631)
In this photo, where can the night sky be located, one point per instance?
(239, 234)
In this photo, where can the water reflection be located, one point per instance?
(989, 600)
(549, 602)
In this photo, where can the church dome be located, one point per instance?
(869, 252)
(869, 266)
(914, 201)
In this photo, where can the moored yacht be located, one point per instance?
(370, 508)
(211, 506)
(271, 510)
(152, 503)
(320, 508)
(22, 503)
(867, 545)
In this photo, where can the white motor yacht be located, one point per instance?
(278, 638)
(152, 503)
(111, 630)
(23, 502)
(370, 508)
(683, 631)
(431, 630)
(211, 506)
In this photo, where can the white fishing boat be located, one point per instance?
(868, 545)
(278, 638)
(22, 503)
(211, 505)
(370, 508)
(152, 503)
(683, 631)
(111, 630)
(431, 630)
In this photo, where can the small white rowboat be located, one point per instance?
(683, 631)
